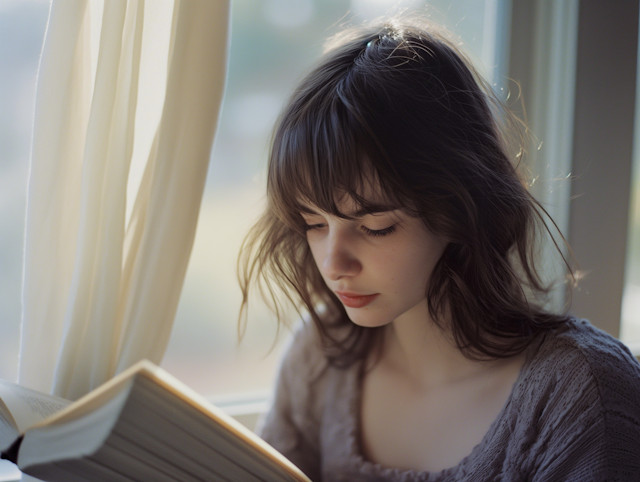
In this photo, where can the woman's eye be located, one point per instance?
(311, 222)
(379, 232)
(309, 227)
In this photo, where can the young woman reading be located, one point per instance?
(398, 220)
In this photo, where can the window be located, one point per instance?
(607, 44)
(22, 25)
(630, 329)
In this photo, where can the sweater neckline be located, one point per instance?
(367, 467)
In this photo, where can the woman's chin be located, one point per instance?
(367, 321)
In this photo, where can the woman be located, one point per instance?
(398, 221)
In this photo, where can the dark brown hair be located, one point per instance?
(399, 107)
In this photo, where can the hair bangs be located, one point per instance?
(324, 154)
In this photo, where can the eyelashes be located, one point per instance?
(309, 227)
(379, 232)
(367, 231)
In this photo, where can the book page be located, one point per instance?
(8, 429)
(28, 407)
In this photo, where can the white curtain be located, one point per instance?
(128, 99)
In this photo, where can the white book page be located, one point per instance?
(27, 406)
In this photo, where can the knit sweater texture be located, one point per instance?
(573, 415)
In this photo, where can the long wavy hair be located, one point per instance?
(400, 106)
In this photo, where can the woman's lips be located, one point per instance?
(354, 300)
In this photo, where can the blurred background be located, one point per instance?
(273, 43)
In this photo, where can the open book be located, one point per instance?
(143, 425)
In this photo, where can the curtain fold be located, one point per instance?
(121, 83)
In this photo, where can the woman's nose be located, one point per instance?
(340, 258)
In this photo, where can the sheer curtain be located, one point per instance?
(128, 99)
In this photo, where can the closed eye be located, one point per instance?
(379, 232)
(309, 227)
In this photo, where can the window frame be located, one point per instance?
(594, 39)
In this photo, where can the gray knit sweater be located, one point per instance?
(573, 415)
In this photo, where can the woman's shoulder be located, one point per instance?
(306, 382)
(589, 353)
(577, 406)
(579, 369)
(304, 354)
(306, 362)
(607, 362)
(576, 355)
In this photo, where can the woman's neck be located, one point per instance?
(424, 405)
(425, 352)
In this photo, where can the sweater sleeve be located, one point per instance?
(588, 418)
(292, 425)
